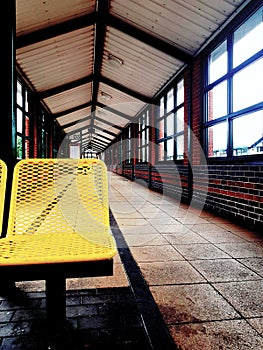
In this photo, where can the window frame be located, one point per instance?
(143, 137)
(163, 139)
(25, 134)
(228, 77)
(128, 142)
(44, 134)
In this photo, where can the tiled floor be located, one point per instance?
(204, 272)
(183, 279)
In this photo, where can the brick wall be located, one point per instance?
(234, 191)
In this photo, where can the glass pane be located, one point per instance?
(170, 124)
(143, 121)
(140, 124)
(19, 97)
(217, 63)
(161, 151)
(161, 108)
(248, 38)
(143, 154)
(43, 136)
(143, 138)
(19, 147)
(26, 101)
(248, 86)
(27, 125)
(180, 147)
(217, 140)
(19, 121)
(180, 93)
(248, 134)
(170, 100)
(147, 134)
(26, 148)
(147, 118)
(147, 153)
(161, 129)
(180, 120)
(170, 149)
(217, 101)
(74, 151)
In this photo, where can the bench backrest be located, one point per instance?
(59, 195)
(3, 175)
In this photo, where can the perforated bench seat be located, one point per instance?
(58, 226)
(53, 248)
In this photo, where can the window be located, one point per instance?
(120, 151)
(234, 92)
(128, 143)
(74, 150)
(23, 122)
(44, 135)
(143, 137)
(55, 140)
(170, 124)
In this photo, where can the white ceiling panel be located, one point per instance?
(69, 99)
(139, 60)
(74, 116)
(184, 23)
(78, 126)
(32, 15)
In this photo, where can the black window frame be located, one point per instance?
(26, 134)
(231, 115)
(164, 118)
(143, 134)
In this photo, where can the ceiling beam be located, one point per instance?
(71, 110)
(106, 131)
(100, 33)
(65, 87)
(114, 111)
(98, 149)
(148, 39)
(104, 144)
(56, 30)
(126, 90)
(107, 123)
(85, 144)
(96, 142)
(103, 137)
(75, 122)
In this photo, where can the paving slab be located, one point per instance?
(155, 253)
(255, 264)
(242, 249)
(175, 272)
(224, 270)
(223, 335)
(245, 296)
(201, 251)
(192, 303)
(186, 237)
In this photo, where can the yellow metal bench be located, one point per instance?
(58, 226)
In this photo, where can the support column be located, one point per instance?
(8, 94)
(7, 81)
(56, 301)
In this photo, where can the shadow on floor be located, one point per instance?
(96, 319)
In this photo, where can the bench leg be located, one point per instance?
(56, 301)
